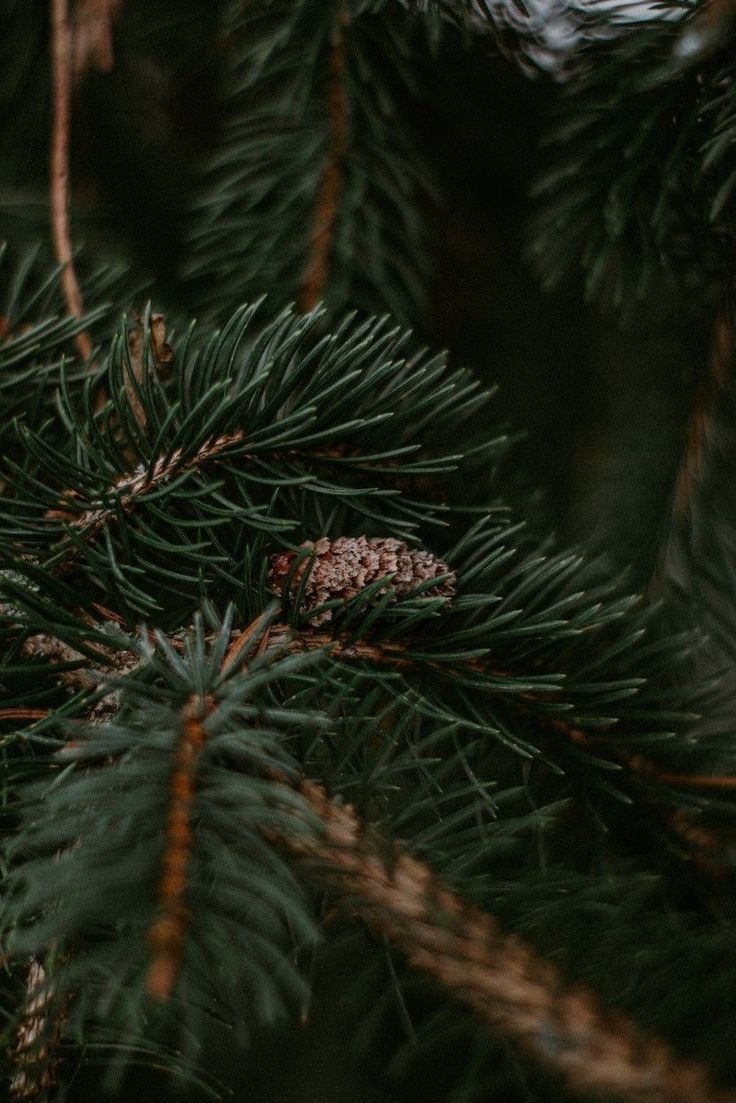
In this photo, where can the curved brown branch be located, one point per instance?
(61, 58)
(507, 984)
(328, 195)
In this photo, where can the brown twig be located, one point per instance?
(129, 488)
(61, 57)
(506, 983)
(697, 433)
(237, 646)
(696, 781)
(167, 935)
(328, 195)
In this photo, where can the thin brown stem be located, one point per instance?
(61, 58)
(696, 781)
(697, 433)
(167, 935)
(316, 272)
(518, 993)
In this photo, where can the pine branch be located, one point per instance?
(641, 182)
(655, 783)
(473, 699)
(244, 422)
(322, 200)
(171, 908)
(638, 767)
(519, 994)
(128, 490)
(222, 735)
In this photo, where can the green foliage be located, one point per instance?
(87, 860)
(536, 740)
(642, 176)
(456, 730)
(260, 199)
(277, 433)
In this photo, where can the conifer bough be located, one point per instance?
(391, 657)
(274, 650)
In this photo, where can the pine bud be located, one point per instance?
(342, 568)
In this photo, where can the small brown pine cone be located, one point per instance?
(342, 568)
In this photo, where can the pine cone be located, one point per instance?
(342, 568)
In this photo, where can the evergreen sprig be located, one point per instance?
(537, 683)
(501, 766)
(317, 190)
(259, 434)
(141, 860)
(641, 179)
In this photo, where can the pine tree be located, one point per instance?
(337, 761)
